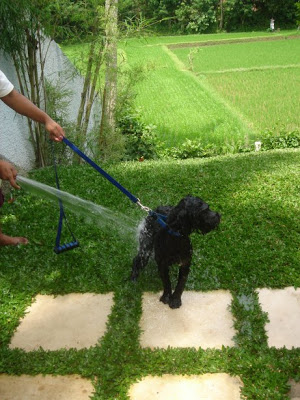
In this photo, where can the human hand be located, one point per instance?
(8, 173)
(56, 132)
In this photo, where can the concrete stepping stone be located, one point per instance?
(74, 320)
(295, 390)
(47, 387)
(283, 308)
(179, 387)
(203, 321)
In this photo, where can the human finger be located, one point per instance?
(13, 182)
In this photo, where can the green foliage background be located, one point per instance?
(195, 16)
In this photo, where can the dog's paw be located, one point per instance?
(175, 303)
(165, 298)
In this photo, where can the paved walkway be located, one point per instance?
(204, 321)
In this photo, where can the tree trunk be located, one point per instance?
(93, 93)
(86, 86)
(221, 15)
(108, 119)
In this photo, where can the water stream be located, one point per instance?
(91, 212)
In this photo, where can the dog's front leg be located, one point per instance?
(175, 301)
(164, 275)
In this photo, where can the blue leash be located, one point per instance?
(161, 219)
(100, 170)
(60, 248)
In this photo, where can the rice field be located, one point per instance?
(179, 104)
(241, 56)
(260, 79)
(220, 93)
(213, 88)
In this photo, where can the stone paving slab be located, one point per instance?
(295, 390)
(203, 321)
(48, 387)
(196, 387)
(283, 308)
(74, 320)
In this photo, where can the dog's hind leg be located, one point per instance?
(139, 262)
(175, 300)
(144, 252)
(164, 274)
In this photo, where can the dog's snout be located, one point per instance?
(217, 219)
(214, 215)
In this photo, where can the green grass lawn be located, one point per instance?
(256, 245)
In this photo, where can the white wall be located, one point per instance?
(15, 144)
(14, 134)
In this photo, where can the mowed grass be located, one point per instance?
(260, 79)
(184, 97)
(255, 246)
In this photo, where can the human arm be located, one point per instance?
(24, 106)
(8, 173)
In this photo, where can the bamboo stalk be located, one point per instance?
(86, 85)
(92, 96)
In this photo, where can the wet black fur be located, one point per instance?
(191, 214)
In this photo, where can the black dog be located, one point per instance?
(171, 244)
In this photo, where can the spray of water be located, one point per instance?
(91, 212)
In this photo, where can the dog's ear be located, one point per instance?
(178, 220)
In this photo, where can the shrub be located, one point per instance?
(195, 149)
(282, 141)
(189, 149)
(197, 16)
(141, 141)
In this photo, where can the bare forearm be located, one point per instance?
(23, 106)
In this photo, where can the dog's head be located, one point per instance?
(192, 214)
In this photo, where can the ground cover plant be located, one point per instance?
(256, 245)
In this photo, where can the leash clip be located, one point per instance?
(144, 208)
(160, 218)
